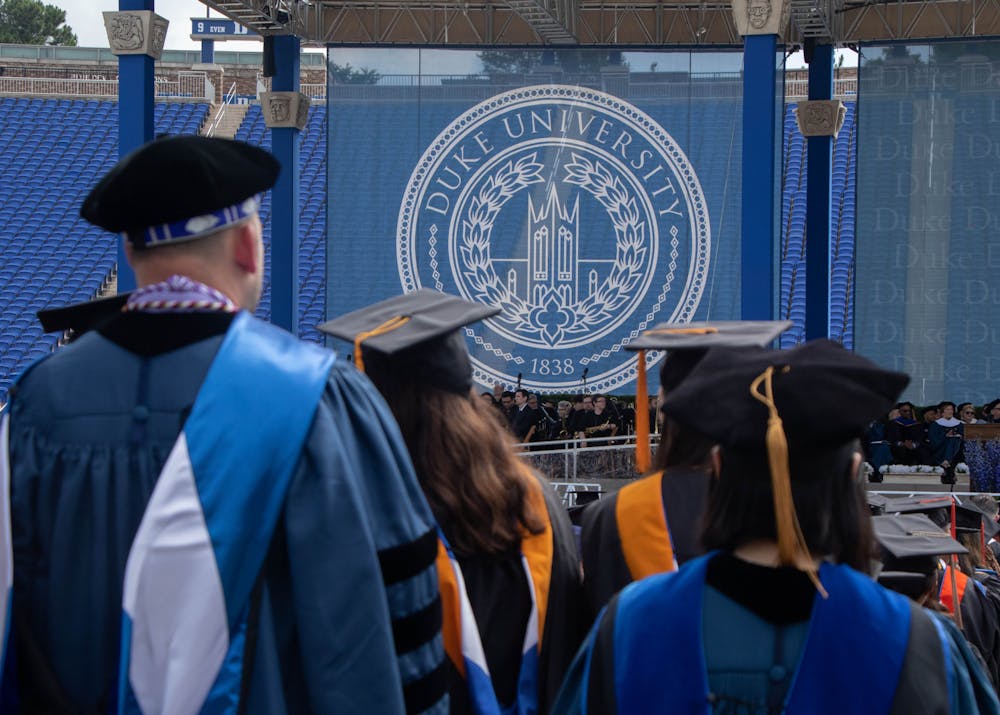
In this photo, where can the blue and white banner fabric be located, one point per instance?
(6, 547)
(477, 673)
(206, 530)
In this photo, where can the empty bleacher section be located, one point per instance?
(792, 304)
(52, 152)
(312, 216)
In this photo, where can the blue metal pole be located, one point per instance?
(759, 156)
(135, 117)
(207, 52)
(285, 196)
(819, 166)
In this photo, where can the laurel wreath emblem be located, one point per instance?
(553, 315)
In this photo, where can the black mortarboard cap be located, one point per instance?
(907, 535)
(911, 585)
(876, 503)
(179, 188)
(824, 395)
(968, 517)
(921, 504)
(686, 344)
(414, 337)
(704, 335)
(815, 396)
(81, 317)
(912, 546)
(990, 527)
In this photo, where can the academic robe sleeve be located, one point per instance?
(361, 545)
(589, 685)
(605, 571)
(566, 619)
(970, 690)
(981, 626)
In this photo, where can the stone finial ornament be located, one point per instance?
(136, 32)
(285, 109)
(820, 117)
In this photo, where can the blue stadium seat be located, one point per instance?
(51, 256)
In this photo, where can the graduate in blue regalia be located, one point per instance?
(507, 563)
(653, 524)
(780, 615)
(202, 513)
(945, 435)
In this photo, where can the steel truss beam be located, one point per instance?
(599, 22)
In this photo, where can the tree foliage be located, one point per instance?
(32, 22)
(573, 61)
(345, 74)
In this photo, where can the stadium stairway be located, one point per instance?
(230, 118)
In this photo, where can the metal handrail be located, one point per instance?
(221, 112)
(185, 85)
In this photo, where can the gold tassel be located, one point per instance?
(681, 331)
(642, 452)
(792, 548)
(390, 324)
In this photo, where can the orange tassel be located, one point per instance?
(643, 458)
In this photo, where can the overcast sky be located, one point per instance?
(84, 16)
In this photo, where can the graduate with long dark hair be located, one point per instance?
(506, 549)
(780, 615)
(653, 524)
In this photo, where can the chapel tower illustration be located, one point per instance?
(553, 247)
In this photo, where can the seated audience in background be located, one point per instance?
(782, 616)
(967, 413)
(991, 412)
(877, 449)
(945, 437)
(506, 556)
(905, 437)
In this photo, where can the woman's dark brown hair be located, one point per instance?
(829, 501)
(467, 468)
(682, 446)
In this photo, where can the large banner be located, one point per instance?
(585, 196)
(928, 230)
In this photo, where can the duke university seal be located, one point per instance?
(575, 213)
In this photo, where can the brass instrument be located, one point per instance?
(600, 428)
